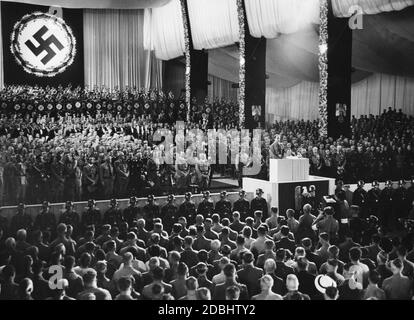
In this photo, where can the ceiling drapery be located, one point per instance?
(97, 4)
(345, 8)
(221, 18)
(164, 31)
(270, 18)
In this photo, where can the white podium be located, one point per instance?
(286, 176)
(289, 169)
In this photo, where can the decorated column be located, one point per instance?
(196, 71)
(252, 75)
(335, 66)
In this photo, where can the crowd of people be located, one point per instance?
(213, 251)
(70, 144)
(77, 144)
(380, 148)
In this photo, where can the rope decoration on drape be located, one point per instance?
(323, 68)
(187, 55)
(242, 67)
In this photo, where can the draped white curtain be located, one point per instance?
(369, 96)
(343, 8)
(269, 18)
(214, 23)
(114, 51)
(297, 102)
(220, 88)
(164, 31)
(378, 92)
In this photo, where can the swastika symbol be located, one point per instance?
(44, 45)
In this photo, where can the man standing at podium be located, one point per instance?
(259, 204)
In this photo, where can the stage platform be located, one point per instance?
(287, 180)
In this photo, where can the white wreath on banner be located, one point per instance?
(16, 50)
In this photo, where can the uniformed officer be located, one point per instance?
(401, 204)
(259, 204)
(132, 212)
(113, 216)
(45, 220)
(242, 205)
(169, 213)
(360, 199)
(107, 178)
(386, 200)
(21, 220)
(70, 217)
(206, 207)
(187, 209)
(373, 199)
(223, 206)
(151, 211)
(91, 216)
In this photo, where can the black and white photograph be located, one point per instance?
(228, 151)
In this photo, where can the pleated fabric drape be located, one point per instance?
(220, 88)
(114, 51)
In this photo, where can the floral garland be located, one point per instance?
(323, 68)
(187, 59)
(16, 50)
(242, 68)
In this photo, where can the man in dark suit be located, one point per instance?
(306, 279)
(250, 275)
(285, 242)
(219, 292)
(201, 242)
(282, 270)
(236, 225)
(189, 255)
(310, 255)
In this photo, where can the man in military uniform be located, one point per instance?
(169, 213)
(150, 211)
(121, 176)
(373, 199)
(57, 170)
(70, 217)
(21, 220)
(45, 220)
(206, 207)
(4, 226)
(107, 178)
(113, 216)
(242, 205)
(401, 205)
(132, 212)
(259, 204)
(90, 179)
(360, 199)
(91, 216)
(386, 201)
(410, 192)
(188, 209)
(223, 206)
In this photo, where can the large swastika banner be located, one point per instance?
(42, 45)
